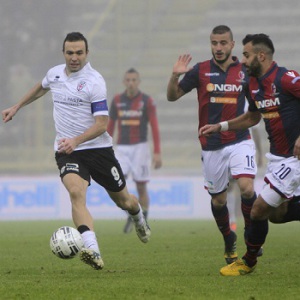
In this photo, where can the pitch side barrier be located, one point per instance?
(37, 198)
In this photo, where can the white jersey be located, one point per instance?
(77, 98)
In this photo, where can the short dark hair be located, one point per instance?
(74, 37)
(132, 70)
(221, 29)
(260, 40)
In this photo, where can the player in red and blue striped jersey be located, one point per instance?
(222, 85)
(221, 95)
(133, 111)
(275, 96)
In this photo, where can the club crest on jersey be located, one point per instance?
(241, 76)
(141, 105)
(273, 89)
(81, 85)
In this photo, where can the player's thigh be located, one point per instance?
(141, 163)
(215, 170)
(277, 215)
(73, 172)
(284, 175)
(242, 159)
(123, 154)
(105, 169)
(261, 210)
(76, 186)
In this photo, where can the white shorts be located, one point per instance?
(283, 176)
(135, 160)
(234, 161)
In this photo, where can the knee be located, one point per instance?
(218, 201)
(246, 187)
(247, 192)
(256, 215)
(76, 193)
(260, 210)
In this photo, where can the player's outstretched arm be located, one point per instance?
(242, 122)
(33, 94)
(208, 129)
(182, 64)
(174, 92)
(7, 114)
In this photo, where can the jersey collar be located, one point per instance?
(75, 74)
(234, 63)
(270, 70)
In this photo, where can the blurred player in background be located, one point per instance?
(83, 148)
(221, 85)
(133, 111)
(275, 96)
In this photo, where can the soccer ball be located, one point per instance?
(66, 242)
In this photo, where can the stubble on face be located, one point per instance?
(75, 56)
(255, 68)
(222, 61)
(221, 47)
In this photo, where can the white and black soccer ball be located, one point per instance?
(66, 242)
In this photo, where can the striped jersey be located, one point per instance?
(277, 96)
(132, 116)
(221, 97)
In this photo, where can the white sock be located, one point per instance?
(139, 217)
(90, 240)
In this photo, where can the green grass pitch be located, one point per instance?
(181, 261)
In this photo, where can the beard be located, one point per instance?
(222, 61)
(255, 69)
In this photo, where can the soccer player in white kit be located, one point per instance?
(83, 148)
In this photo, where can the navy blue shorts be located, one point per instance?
(99, 164)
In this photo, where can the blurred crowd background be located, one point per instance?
(148, 35)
